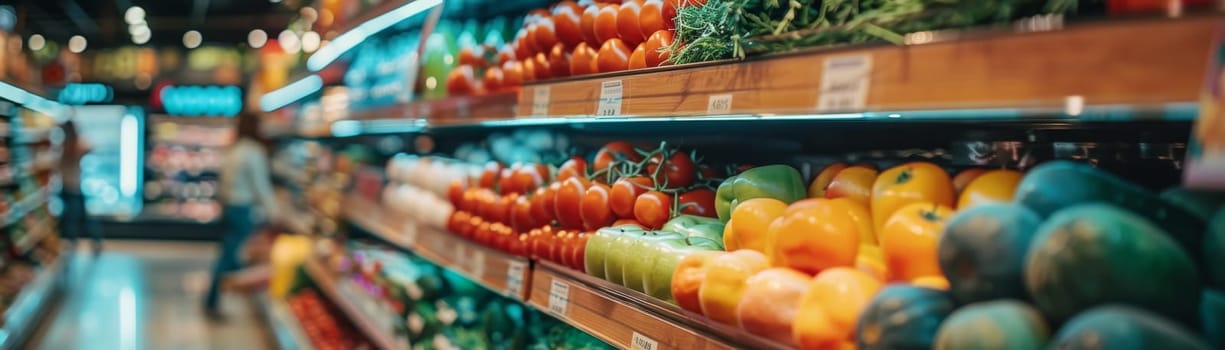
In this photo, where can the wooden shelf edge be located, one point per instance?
(1153, 61)
(328, 286)
(450, 110)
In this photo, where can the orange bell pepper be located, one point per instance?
(818, 236)
(749, 223)
(909, 240)
(909, 183)
(725, 282)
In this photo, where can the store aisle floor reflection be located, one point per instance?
(146, 295)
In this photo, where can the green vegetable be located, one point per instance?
(697, 226)
(781, 182)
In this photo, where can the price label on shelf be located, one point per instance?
(642, 342)
(844, 83)
(719, 104)
(540, 101)
(514, 277)
(559, 297)
(610, 98)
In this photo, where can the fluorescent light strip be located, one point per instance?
(291, 93)
(30, 100)
(350, 39)
(129, 138)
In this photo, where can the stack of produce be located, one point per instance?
(320, 323)
(1066, 244)
(569, 39)
(531, 210)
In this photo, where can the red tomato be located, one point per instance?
(575, 167)
(493, 79)
(606, 23)
(518, 246)
(521, 218)
(506, 54)
(567, 201)
(638, 59)
(542, 206)
(489, 174)
(521, 41)
(456, 219)
(708, 173)
(462, 81)
(700, 202)
(653, 209)
(512, 74)
(543, 71)
(627, 23)
(678, 171)
(587, 25)
(579, 252)
(525, 178)
(651, 17)
(506, 185)
(472, 57)
(559, 61)
(471, 200)
(499, 210)
(583, 61)
(669, 14)
(614, 56)
(625, 192)
(529, 69)
(615, 151)
(564, 249)
(656, 48)
(567, 16)
(594, 207)
(546, 33)
(455, 192)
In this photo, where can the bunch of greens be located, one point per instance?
(726, 29)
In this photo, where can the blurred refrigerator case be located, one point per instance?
(112, 173)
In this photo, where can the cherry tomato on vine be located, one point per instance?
(455, 192)
(700, 202)
(709, 173)
(506, 184)
(567, 200)
(583, 60)
(575, 167)
(567, 16)
(651, 17)
(653, 209)
(614, 151)
(521, 218)
(525, 178)
(678, 171)
(614, 56)
(625, 192)
(594, 207)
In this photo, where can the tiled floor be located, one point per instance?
(146, 295)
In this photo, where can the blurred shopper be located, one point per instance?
(75, 220)
(246, 195)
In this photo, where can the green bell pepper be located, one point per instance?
(781, 182)
(697, 226)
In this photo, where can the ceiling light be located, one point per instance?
(37, 42)
(77, 44)
(142, 37)
(134, 14)
(289, 41)
(310, 41)
(350, 39)
(257, 38)
(137, 29)
(192, 39)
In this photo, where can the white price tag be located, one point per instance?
(719, 104)
(641, 342)
(844, 83)
(514, 277)
(540, 101)
(559, 296)
(477, 264)
(610, 98)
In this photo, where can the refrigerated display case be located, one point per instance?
(184, 157)
(112, 172)
(877, 177)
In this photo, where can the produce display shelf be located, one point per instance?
(24, 206)
(374, 327)
(285, 326)
(23, 315)
(493, 269)
(33, 237)
(450, 110)
(596, 311)
(1137, 62)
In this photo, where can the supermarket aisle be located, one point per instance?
(146, 295)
